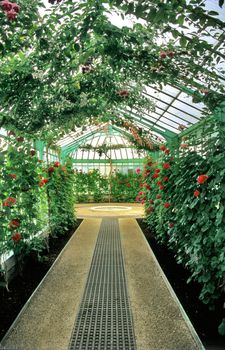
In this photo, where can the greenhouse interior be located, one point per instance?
(112, 175)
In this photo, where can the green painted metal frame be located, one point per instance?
(167, 134)
(107, 161)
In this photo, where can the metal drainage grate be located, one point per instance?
(104, 320)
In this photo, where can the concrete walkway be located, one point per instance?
(47, 320)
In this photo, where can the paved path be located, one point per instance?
(48, 319)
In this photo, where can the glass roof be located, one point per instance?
(173, 109)
(100, 142)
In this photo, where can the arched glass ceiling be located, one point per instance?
(116, 147)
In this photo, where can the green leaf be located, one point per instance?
(213, 13)
(183, 41)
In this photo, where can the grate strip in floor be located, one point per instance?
(104, 320)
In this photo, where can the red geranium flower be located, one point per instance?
(166, 205)
(9, 202)
(141, 185)
(171, 224)
(147, 187)
(196, 193)
(162, 148)
(166, 165)
(154, 176)
(16, 237)
(161, 187)
(128, 185)
(50, 170)
(166, 178)
(158, 196)
(202, 178)
(167, 151)
(159, 183)
(56, 164)
(138, 170)
(151, 201)
(14, 223)
(157, 170)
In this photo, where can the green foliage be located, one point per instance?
(61, 197)
(193, 225)
(32, 198)
(60, 73)
(94, 187)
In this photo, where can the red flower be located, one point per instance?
(140, 193)
(13, 176)
(154, 176)
(149, 210)
(166, 205)
(11, 133)
(157, 170)
(128, 185)
(14, 223)
(159, 183)
(170, 54)
(163, 54)
(15, 7)
(141, 185)
(11, 15)
(32, 152)
(162, 148)
(158, 196)
(20, 138)
(56, 164)
(138, 170)
(196, 193)
(63, 168)
(161, 187)
(151, 201)
(50, 170)
(167, 151)
(184, 145)
(166, 178)
(171, 224)
(166, 165)
(123, 93)
(147, 187)
(43, 182)
(9, 202)
(6, 5)
(202, 179)
(16, 237)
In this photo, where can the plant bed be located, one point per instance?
(21, 287)
(204, 320)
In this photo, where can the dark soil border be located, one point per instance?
(204, 321)
(21, 287)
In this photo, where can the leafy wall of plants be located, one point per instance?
(185, 206)
(34, 197)
(119, 187)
